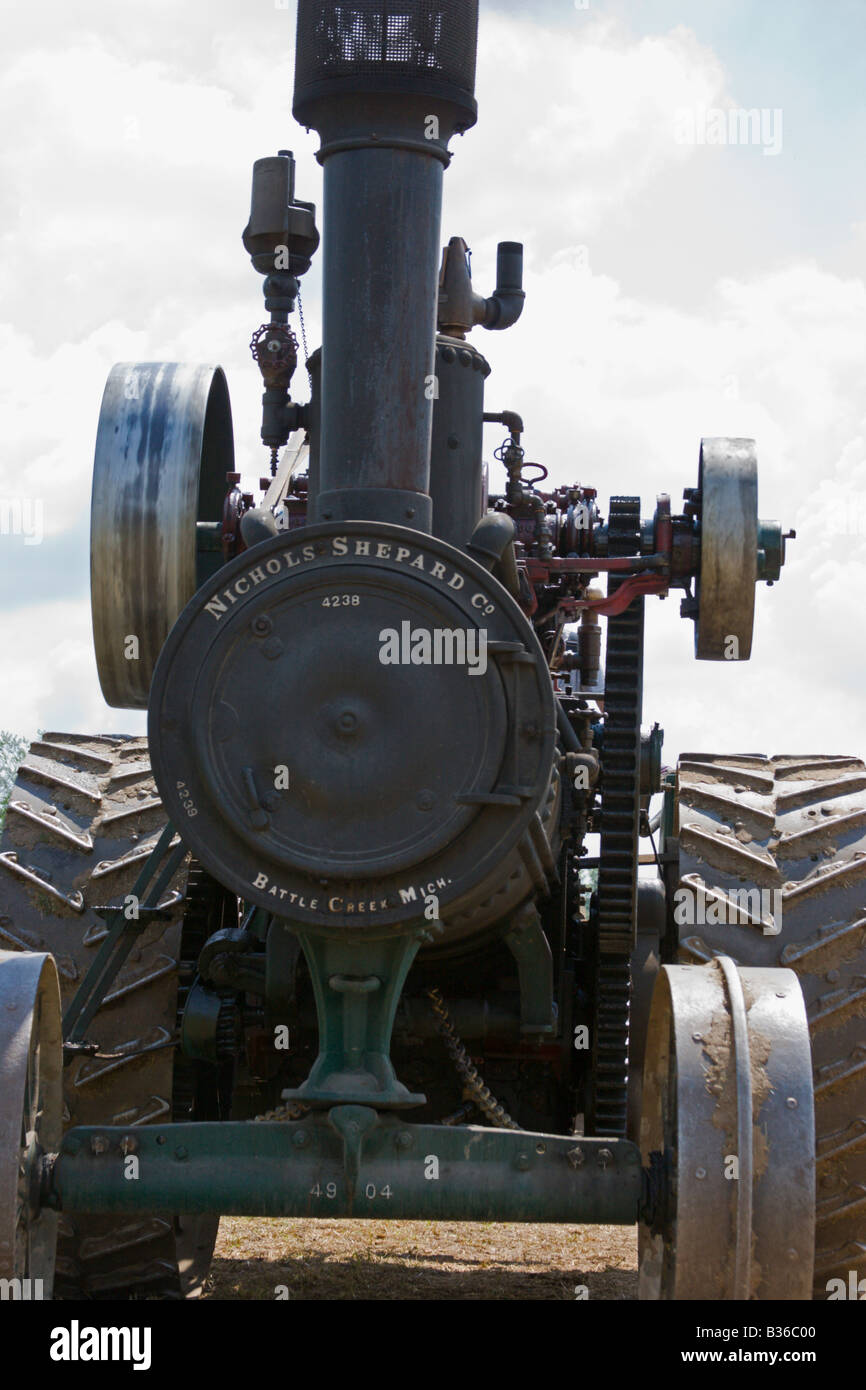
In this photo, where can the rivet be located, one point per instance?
(604, 1158)
(181, 1152)
(300, 1139)
(700, 1172)
(403, 1140)
(697, 1037)
(98, 1144)
(791, 1103)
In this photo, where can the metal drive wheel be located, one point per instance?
(727, 1133)
(31, 1061)
(793, 829)
(163, 448)
(82, 818)
(728, 488)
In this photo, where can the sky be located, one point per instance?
(676, 287)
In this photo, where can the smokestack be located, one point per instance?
(386, 83)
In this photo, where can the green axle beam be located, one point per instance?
(350, 1161)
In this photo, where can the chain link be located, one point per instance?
(303, 331)
(472, 1081)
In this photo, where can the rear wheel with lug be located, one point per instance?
(82, 817)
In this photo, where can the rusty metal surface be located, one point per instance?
(163, 448)
(30, 1111)
(803, 819)
(728, 1092)
(728, 483)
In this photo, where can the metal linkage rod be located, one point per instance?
(122, 933)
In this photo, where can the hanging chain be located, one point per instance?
(303, 331)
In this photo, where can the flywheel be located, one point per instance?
(163, 448)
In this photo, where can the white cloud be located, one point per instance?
(122, 198)
(50, 681)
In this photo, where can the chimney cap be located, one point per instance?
(417, 47)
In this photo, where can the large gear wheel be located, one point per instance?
(794, 827)
(82, 817)
(607, 1107)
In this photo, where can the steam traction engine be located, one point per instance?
(332, 940)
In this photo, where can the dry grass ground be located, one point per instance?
(425, 1260)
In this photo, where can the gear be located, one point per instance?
(607, 1109)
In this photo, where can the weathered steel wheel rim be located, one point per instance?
(30, 1112)
(728, 483)
(163, 448)
(728, 1076)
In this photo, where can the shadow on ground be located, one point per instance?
(330, 1260)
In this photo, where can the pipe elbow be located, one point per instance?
(492, 544)
(503, 309)
(505, 305)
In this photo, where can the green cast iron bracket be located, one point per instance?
(531, 950)
(357, 987)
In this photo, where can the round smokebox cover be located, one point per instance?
(347, 719)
